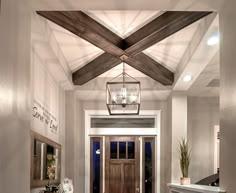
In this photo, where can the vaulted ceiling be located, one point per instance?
(152, 43)
(128, 48)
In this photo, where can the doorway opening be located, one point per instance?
(129, 164)
(119, 147)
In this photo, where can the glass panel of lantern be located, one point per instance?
(123, 95)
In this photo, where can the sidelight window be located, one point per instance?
(149, 165)
(96, 165)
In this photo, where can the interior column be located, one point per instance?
(74, 142)
(179, 130)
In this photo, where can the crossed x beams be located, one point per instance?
(116, 49)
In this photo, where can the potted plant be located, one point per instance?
(184, 156)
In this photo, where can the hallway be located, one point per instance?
(174, 61)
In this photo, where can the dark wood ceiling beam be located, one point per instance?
(94, 26)
(151, 68)
(95, 68)
(140, 62)
(88, 29)
(160, 28)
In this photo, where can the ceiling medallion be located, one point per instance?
(123, 95)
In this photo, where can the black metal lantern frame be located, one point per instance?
(123, 95)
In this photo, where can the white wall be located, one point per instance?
(47, 91)
(203, 115)
(45, 86)
(15, 96)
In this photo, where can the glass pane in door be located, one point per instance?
(131, 150)
(113, 150)
(122, 150)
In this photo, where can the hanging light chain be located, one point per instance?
(123, 73)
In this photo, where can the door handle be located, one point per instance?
(137, 189)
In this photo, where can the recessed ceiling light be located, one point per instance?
(187, 78)
(213, 40)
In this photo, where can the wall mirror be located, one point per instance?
(45, 161)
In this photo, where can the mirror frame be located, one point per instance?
(34, 183)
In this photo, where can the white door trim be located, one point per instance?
(121, 131)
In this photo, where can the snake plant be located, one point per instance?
(184, 156)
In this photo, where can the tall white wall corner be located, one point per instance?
(179, 129)
(193, 62)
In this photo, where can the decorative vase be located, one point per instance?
(184, 181)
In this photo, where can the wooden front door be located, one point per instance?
(122, 170)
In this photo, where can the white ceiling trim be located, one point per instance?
(180, 5)
(100, 95)
(99, 83)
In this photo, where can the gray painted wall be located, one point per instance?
(203, 115)
(62, 131)
(228, 97)
(15, 111)
(169, 139)
(79, 149)
(75, 138)
(69, 135)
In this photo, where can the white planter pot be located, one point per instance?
(184, 181)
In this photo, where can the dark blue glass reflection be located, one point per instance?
(131, 149)
(113, 150)
(148, 167)
(122, 150)
(96, 167)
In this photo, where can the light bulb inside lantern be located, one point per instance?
(123, 102)
(114, 99)
(124, 92)
(133, 98)
(124, 96)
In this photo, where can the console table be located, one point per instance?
(193, 188)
